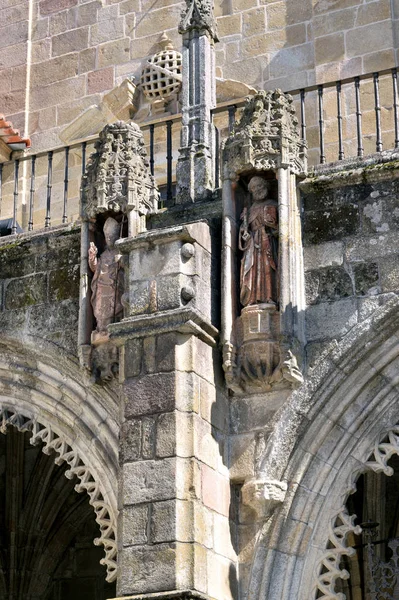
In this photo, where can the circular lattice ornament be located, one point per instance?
(161, 77)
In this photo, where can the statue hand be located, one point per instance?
(93, 256)
(93, 251)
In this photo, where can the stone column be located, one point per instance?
(292, 303)
(195, 167)
(173, 536)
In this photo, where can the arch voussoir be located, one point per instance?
(341, 423)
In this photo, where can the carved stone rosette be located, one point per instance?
(117, 184)
(263, 338)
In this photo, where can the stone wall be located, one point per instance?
(40, 287)
(351, 233)
(80, 51)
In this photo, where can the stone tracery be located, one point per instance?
(52, 441)
(342, 524)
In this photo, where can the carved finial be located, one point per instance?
(165, 42)
(198, 15)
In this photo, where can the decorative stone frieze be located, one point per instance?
(263, 322)
(88, 482)
(329, 567)
(263, 495)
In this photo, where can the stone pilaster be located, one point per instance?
(174, 491)
(195, 166)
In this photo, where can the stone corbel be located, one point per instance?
(263, 496)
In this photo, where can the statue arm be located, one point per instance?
(93, 251)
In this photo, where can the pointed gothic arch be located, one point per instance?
(335, 423)
(45, 393)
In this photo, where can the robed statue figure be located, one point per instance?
(258, 240)
(107, 282)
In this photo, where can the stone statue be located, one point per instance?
(107, 283)
(258, 240)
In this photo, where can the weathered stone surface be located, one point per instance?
(366, 278)
(63, 283)
(131, 438)
(149, 481)
(148, 569)
(24, 292)
(327, 320)
(327, 225)
(150, 394)
(330, 283)
(135, 525)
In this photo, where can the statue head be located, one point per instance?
(111, 231)
(259, 188)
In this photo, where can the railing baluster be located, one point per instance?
(395, 105)
(360, 150)
(303, 116)
(14, 212)
(377, 109)
(64, 215)
(31, 192)
(152, 127)
(84, 144)
(341, 154)
(232, 116)
(321, 125)
(169, 158)
(47, 221)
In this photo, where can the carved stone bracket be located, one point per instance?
(257, 361)
(263, 495)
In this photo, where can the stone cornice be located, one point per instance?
(183, 320)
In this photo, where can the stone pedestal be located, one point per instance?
(174, 536)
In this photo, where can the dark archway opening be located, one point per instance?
(374, 567)
(46, 529)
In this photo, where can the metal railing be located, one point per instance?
(351, 117)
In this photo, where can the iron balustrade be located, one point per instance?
(339, 119)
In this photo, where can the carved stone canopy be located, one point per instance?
(198, 15)
(118, 176)
(267, 136)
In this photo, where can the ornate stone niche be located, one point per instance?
(118, 192)
(263, 291)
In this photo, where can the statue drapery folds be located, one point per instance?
(258, 241)
(107, 282)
